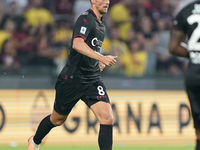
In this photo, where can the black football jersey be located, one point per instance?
(80, 67)
(188, 21)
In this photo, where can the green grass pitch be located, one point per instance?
(96, 148)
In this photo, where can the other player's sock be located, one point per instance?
(198, 145)
(43, 129)
(105, 137)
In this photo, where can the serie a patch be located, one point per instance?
(83, 30)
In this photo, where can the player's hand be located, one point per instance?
(101, 66)
(109, 60)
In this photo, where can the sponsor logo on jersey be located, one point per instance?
(96, 42)
(196, 9)
(83, 30)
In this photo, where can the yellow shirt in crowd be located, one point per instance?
(134, 69)
(3, 37)
(126, 58)
(36, 17)
(120, 14)
(61, 36)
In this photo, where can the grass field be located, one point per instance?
(96, 148)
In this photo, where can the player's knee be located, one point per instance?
(107, 120)
(58, 122)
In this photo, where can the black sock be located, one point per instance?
(105, 137)
(198, 145)
(43, 129)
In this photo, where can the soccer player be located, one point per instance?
(80, 78)
(187, 23)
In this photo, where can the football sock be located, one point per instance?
(105, 137)
(198, 145)
(43, 129)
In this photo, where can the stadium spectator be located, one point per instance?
(2, 16)
(131, 36)
(165, 61)
(63, 6)
(19, 6)
(163, 56)
(13, 15)
(112, 2)
(25, 43)
(120, 16)
(166, 12)
(8, 53)
(61, 42)
(148, 39)
(137, 67)
(37, 15)
(120, 49)
(44, 55)
(145, 27)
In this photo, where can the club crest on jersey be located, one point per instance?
(196, 9)
(83, 30)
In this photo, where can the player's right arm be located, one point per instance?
(178, 33)
(82, 29)
(175, 47)
(80, 46)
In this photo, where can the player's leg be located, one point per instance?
(49, 122)
(194, 97)
(44, 127)
(64, 102)
(197, 129)
(98, 101)
(104, 114)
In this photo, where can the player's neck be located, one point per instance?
(97, 13)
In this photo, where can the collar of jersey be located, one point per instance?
(92, 12)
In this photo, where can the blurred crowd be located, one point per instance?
(38, 33)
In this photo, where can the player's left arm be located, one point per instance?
(175, 45)
(101, 66)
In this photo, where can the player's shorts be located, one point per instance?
(192, 89)
(68, 93)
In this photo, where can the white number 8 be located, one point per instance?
(101, 91)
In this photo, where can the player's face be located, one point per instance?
(102, 6)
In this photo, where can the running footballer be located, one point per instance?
(187, 24)
(80, 78)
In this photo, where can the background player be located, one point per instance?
(187, 23)
(80, 78)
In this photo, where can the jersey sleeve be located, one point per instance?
(82, 27)
(180, 23)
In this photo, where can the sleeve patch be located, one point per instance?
(83, 30)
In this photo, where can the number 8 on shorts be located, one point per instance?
(100, 90)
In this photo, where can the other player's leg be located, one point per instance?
(197, 129)
(194, 97)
